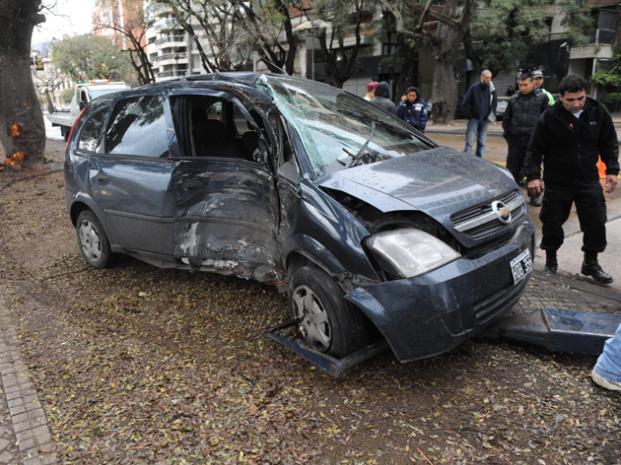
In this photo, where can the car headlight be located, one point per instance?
(409, 252)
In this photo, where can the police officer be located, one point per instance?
(519, 123)
(538, 81)
(569, 137)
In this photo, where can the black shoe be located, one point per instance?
(595, 271)
(535, 201)
(551, 262)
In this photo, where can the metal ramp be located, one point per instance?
(559, 329)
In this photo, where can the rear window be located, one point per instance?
(92, 132)
(138, 128)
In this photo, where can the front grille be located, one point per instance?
(480, 221)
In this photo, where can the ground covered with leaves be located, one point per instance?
(146, 366)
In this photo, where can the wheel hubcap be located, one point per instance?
(90, 241)
(314, 324)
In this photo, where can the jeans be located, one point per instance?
(608, 364)
(480, 127)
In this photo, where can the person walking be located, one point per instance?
(479, 105)
(538, 80)
(568, 138)
(382, 97)
(413, 109)
(518, 124)
(607, 370)
(371, 86)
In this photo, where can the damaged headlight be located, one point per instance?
(409, 252)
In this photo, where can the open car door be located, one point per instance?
(226, 205)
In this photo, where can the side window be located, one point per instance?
(91, 134)
(138, 127)
(209, 126)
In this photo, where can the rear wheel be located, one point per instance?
(94, 245)
(326, 321)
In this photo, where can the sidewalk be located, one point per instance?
(24, 434)
(458, 126)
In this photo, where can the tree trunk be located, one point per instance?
(22, 130)
(444, 90)
(445, 43)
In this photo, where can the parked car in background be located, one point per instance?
(376, 231)
(82, 95)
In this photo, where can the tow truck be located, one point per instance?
(83, 93)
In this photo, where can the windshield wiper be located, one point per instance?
(355, 159)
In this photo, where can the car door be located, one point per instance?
(131, 176)
(226, 216)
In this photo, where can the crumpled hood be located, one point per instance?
(438, 182)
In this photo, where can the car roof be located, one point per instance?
(241, 81)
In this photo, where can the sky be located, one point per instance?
(68, 17)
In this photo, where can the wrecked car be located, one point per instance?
(376, 231)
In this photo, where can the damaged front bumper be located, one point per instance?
(424, 316)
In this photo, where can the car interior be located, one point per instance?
(215, 127)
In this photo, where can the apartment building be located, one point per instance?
(116, 16)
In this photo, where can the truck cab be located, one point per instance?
(82, 96)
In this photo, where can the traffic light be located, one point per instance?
(38, 63)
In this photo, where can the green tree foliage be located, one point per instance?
(91, 57)
(503, 32)
(610, 81)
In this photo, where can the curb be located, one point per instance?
(28, 419)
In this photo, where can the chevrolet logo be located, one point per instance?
(502, 211)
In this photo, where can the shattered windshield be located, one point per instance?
(339, 130)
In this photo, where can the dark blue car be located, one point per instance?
(375, 230)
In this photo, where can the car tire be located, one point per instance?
(92, 240)
(327, 322)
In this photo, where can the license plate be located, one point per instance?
(521, 266)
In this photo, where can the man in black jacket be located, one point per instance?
(479, 105)
(569, 137)
(519, 123)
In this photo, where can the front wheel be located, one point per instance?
(94, 245)
(326, 321)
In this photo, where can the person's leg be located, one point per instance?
(607, 369)
(470, 130)
(481, 136)
(554, 213)
(591, 208)
(515, 158)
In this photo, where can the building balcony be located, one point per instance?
(170, 74)
(598, 51)
(171, 58)
(174, 40)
